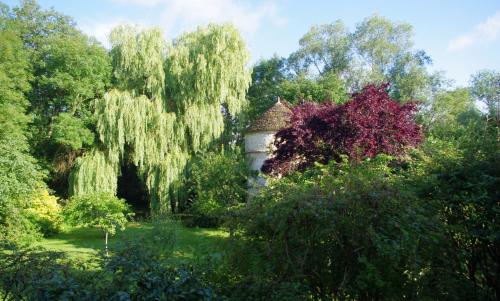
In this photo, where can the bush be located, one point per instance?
(138, 273)
(218, 185)
(45, 213)
(136, 270)
(35, 274)
(343, 231)
(461, 178)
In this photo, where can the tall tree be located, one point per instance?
(329, 87)
(485, 86)
(272, 78)
(19, 173)
(168, 106)
(377, 51)
(267, 74)
(332, 61)
(324, 48)
(69, 70)
(379, 42)
(384, 53)
(447, 110)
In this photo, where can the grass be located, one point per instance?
(190, 243)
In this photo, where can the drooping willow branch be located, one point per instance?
(166, 107)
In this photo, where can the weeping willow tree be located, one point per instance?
(166, 106)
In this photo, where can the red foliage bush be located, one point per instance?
(369, 124)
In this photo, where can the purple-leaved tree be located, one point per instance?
(370, 123)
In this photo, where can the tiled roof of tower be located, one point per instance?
(273, 120)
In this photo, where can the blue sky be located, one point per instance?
(461, 37)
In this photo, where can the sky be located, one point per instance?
(461, 37)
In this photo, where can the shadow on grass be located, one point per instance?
(189, 242)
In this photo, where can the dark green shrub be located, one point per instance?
(138, 273)
(343, 231)
(135, 270)
(461, 178)
(36, 274)
(218, 184)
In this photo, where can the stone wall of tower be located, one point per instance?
(258, 148)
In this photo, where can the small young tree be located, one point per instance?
(101, 210)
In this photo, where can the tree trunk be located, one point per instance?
(106, 245)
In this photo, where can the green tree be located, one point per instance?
(272, 79)
(20, 175)
(69, 71)
(101, 210)
(14, 83)
(218, 185)
(328, 87)
(384, 53)
(332, 61)
(169, 106)
(267, 75)
(379, 42)
(485, 87)
(70, 131)
(324, 48)
(34, 24)
(460, 178)
(448, 111)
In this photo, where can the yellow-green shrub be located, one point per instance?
(45, 213)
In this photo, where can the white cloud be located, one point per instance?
(139, 2)
(181, 15)
(177, 16)
(101, 30)
(488, 31)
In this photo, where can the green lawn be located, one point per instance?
(189, 242)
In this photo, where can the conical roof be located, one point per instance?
(273, 120)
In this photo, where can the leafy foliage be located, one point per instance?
(159, 130)
(345, 222)
(92, 172)
(332, 62)
(135, 271)
(369, 124)
(71, 132)
(327, 88)
(326, 48)
(46, 213)
(217, 55)
(218, 185)
(461, 179)
(263, 92)
(138, 273)
(101, 210)
(33, 274)
(486, 88)
(67, 71)
(342, 231)
(377, 51)
(448, 112)
(14, 83)
(20, 175)
(138, 58)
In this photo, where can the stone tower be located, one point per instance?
(259, 138)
